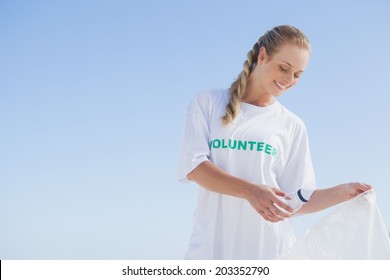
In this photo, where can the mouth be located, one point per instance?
(280, 86)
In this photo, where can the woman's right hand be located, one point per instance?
(266, 202)
(263, 198)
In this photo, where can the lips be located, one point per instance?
(280, 86)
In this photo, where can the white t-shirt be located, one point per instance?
(264, 145)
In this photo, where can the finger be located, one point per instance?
(369, 187)
(278, 192)
(270, 216)
(281, 214)
(283, 205)
(277, 214)
(364, 187)
(265, 216)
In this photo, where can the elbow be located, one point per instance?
(197, 172)
(191, 176)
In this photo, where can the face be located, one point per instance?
(282, 71)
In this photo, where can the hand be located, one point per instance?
(266, 202)
(353, 189)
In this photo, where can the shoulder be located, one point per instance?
(207, 100)
(292, 120)
(213, 96)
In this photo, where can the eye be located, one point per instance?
(283, 68)
(298, 74)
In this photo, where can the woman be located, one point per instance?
(247, 151)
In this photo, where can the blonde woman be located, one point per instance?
(247, 151)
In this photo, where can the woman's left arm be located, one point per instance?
(325, 198)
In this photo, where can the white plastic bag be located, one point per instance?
(355, 230)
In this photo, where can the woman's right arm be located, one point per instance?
(263, 198)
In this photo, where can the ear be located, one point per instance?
(262, 55)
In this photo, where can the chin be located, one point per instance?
(277, 94)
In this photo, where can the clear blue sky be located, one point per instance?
(92, 102)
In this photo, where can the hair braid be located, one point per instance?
(238, 87)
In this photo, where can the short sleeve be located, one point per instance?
(297, 172)
(195, 147)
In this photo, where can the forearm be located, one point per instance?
(213, 178)
(325, 198)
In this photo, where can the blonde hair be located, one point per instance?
(272, 40)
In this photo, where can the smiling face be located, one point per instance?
(274, 75)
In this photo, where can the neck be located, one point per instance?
(255, 95)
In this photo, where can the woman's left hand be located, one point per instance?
(355, 188)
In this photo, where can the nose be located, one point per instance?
(289, 79)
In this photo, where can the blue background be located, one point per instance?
(92, 102)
